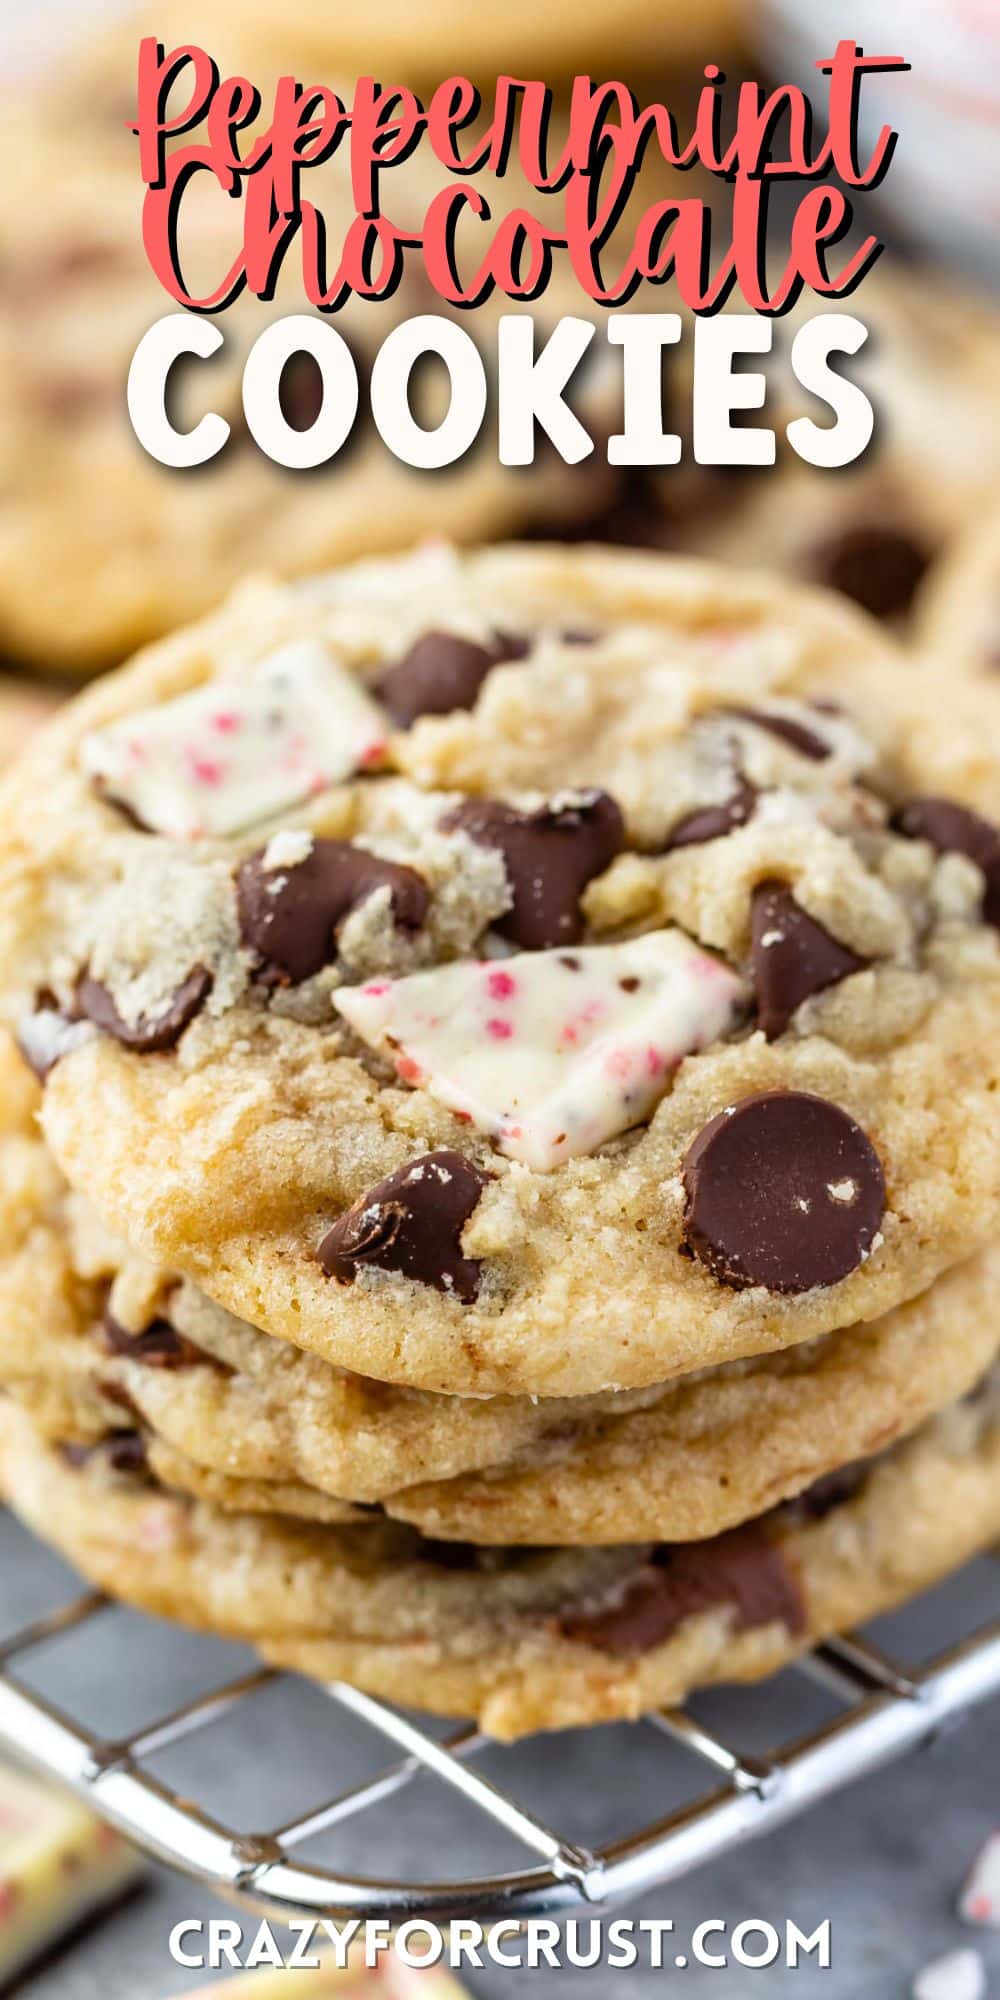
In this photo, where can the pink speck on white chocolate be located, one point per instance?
(294, 723)
(500, 984)
(205, 770)
(496, 1044)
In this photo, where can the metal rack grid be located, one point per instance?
(884, 1712)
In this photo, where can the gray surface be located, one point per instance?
(884, 1861)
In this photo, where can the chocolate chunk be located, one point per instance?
(449, 1555)
(300, 391)
(714, 822)
(149, 1034)
(159, 1345)
(825, 1495)
(953, 829)
(549, 857)
(122, 1451)
(49, 1033)
(442, 671)
(743, 1571)
(289, 917)
(878, 567)
(783, 1190)
(412, 1222)
(788, 730)
(793, 957)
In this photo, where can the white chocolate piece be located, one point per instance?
(390, 1979)
(242, 747)
(550, 1053)
(58, 1865)
(959, 1976)
(980, 1902)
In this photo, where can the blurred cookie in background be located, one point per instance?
(102, 548)
(23, 706)
(958, 611)
(444, 38)
(871, 530)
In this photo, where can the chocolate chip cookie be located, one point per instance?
(524, 1639)
(93, 1341)
(635, 1016)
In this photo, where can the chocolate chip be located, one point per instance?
(549, 857)
(442, 671)
(412, 1222)
(289, 917)
(787, 730)
(878, 567)
(743, 1571)
(714, 822)
(953, 829)
(159, 1345)
(793, 957)
(149, 1035)
(783, 1190)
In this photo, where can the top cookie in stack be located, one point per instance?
(537, 971)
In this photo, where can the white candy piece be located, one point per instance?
(242, 747)
(550, 1052)
(58, 1866)
(961, 1975)
(980, 1903)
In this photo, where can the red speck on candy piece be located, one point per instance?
(654, 1062)
(500, 1031)
(375, 988)
(373, 752)
(409, 1070)
(500, 985)
(205, 770)
(226, 722)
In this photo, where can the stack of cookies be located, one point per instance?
(516, 1042)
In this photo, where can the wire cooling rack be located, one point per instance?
(882, 1711)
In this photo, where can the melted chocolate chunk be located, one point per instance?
(289, 917)
(122, 1451)
(825, 1495)
(787, 730)
(878, 567)
(743, 1571)
(793, 957)
(953, 829)
(549, 857)
(442, 672)
(412, 1222)
(783, 1190)
(159, 1345)
(149, 1035)
(714, 822)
